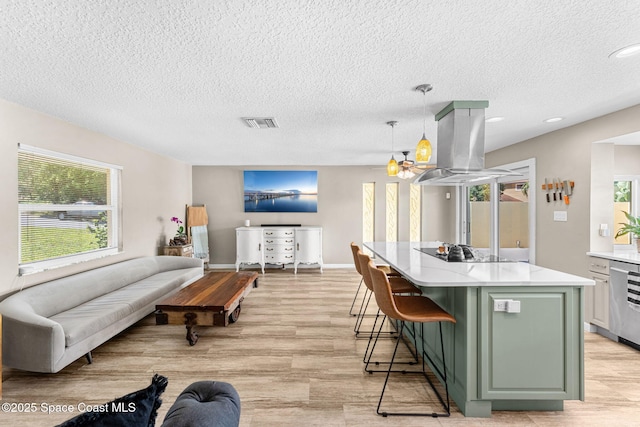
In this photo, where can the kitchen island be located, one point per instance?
(517, 343)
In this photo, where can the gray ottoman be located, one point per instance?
(205, 403)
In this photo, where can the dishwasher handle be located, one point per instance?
(618, 270)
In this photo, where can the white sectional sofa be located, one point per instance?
(48, 326)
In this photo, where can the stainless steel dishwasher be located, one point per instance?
(624, 318)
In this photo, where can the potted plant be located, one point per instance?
(180, 238)
(633, 227)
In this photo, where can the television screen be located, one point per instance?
(281, 191)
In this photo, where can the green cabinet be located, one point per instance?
(496, 360)
(533, 354)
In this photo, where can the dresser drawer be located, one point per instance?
(278, 258)
(278, 249)
(276, 233)
(288, 241)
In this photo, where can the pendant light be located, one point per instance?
(392, 166)
(423, 150)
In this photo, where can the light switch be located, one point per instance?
(559, 215)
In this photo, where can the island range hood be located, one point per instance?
(460, 147)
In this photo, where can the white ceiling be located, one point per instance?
(176, 76)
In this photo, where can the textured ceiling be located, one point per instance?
(177, 76)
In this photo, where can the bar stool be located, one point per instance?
(388, 270)
(368, 291)
(399, 285)
(416, 309)
(354, 251)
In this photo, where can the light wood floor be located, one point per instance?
(293, 358)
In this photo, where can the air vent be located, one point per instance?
(261, 122)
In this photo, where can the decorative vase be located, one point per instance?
(179, 240)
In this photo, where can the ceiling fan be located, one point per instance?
(404, 169)
(408, 168)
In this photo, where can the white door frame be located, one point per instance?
(528, 169)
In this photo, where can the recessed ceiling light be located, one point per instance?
(554, 119)
(494, 119)
(626, 51)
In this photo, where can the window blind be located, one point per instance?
(67, 206)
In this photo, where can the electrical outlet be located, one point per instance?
(506, 305)
(500, 304)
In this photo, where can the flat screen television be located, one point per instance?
(280, 191)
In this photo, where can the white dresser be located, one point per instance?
(279, 245)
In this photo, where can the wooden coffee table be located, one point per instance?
(213, 300)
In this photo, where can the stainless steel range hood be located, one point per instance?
(460, 146)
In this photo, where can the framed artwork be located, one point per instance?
(280, 191)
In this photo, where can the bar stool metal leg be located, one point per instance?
(383, 318)
(442, 374)
(398, 338)
(446, 406)
(362, 315)
(355, 297)
(363, 309)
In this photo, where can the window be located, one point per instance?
(368, 209)
(415, 212)
(479, 216)
(625, 199)
(392, 212)
(68, 208)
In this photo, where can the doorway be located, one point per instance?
(498, 215)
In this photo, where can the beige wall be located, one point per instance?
(439, 214)
(566, 153)
(609, 160)
(339, 209)
(154, 188)
(626, 159)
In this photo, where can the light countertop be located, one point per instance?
(624, 256)
(426, 270)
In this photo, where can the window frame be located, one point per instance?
(527, 170)
(115, 231)
(635, 208)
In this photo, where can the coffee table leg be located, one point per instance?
(190, 321)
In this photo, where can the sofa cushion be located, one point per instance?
(166, 263)
(152, 288)
(91, 317)
(65, 293)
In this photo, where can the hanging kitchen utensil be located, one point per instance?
(546, 186)
(568, 191)
(554, 189)
(559, 189)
